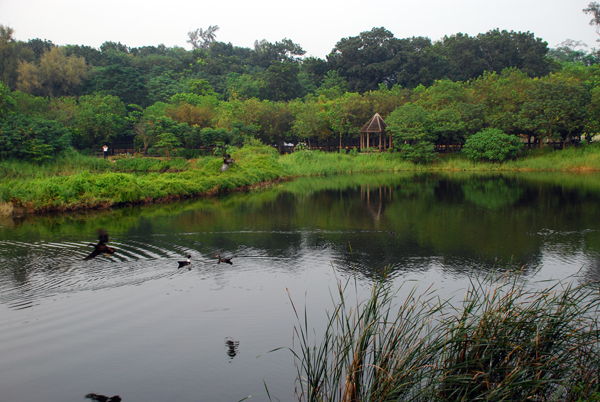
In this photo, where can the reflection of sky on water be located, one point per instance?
(135, 325)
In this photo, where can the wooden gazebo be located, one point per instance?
(375, 125)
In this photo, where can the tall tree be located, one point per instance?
(366, 60)
(11, 53)
(56, 75)
(100, 119)
(123, 81)
(594, 9)
(202, 39)
(281, 82)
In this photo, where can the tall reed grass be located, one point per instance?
(505, 341)
(66, 164)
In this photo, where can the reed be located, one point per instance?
(65, 164)
(143, 164)
(313, 163)
(505, 341)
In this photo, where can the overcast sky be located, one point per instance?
(316, 25)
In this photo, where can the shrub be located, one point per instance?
(421, 152)
(492, 144)
(32, 139)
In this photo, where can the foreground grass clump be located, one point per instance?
(503, 342)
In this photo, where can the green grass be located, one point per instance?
(502, 342)
(63, 165)
(86, 189)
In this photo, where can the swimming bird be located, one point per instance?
(103, 398)
(225, 260)
(185, 263)
(101, 247)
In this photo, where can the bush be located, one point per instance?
(421, 152)
(492, 144)
(188, 153)
(32, 139)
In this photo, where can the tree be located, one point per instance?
(56, 75)
(495, 50)
(522, 50)
(333, 85)
(446, 102)
(10, 55)
(125, 82)
(416, 62)
(308, 122)
(410, 124)
(31, 138)
(7, 103)
(275, 122)
(594, 9)
(367, 60)
(39, 47)
(571, 51)
(556, 108)
(100, 118)
(192, 109)
(202, 39)
(243, 86)
(285, 51)
(281, 82)
(168, 142)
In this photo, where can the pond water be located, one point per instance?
(135, 325)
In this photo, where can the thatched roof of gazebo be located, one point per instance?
(375, 125)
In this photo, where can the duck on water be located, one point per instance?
(185, 263)
(225, 260)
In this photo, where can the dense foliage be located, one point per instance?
(492, 145)
(176, 102)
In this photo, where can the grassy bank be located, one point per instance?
(103, 184)
(575, 159)
(502, 342)
(74, 181)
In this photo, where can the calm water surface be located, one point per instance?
(137, 326)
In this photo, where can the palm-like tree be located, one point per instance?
(202, 39)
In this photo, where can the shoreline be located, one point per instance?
(8, 210)
(88, 187)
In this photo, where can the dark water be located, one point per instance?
(137, 326)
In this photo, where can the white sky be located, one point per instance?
(317, 25)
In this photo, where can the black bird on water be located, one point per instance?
(185, 263)
(103, 398)
(101, 247)
(225, 260)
